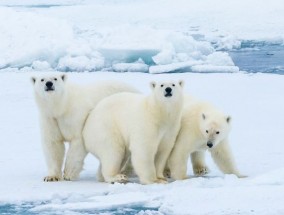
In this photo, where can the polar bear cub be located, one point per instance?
(63, 109)
(144, 126)
(203, 127)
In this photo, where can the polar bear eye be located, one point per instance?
(55, 79)
(42, 80)
(207, 131)
(173, 85)
(162, 85)
(217, 132)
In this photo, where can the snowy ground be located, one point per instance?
(254, 101)
(146, 36)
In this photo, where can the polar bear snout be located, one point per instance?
(210, 144)
(168, 92)
(49, 86)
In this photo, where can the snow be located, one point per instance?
(135, 41)
(81, 63)
(138, 66)
(253, 101)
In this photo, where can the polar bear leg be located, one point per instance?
(111, 163)
(162, 156)
(54, 154)
(223, 158)
(198, 163)
(177, 162)
(74, 159)
(53, 148)
(143, 161)
(177, 165)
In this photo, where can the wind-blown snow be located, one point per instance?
(253, 101)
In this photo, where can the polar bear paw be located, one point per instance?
(51, 178)
(67, 178)
(71, 173)
(161, 181)
(70, 177)
(201, 170)
(120, 178)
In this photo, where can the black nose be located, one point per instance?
(168, 90)
(49, 84)
(209, 144)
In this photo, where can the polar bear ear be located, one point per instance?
(33, 80)
(63, 77)
(203, 116)
(153, 84)
(181, 83)
(228, 119)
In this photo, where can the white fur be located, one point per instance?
(63, 113)
(200, 125)
(145, 126)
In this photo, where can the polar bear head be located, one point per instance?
(48, 85)
(168, 91)
(215, 127)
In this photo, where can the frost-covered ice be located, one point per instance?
(254, 102)
(85, 35)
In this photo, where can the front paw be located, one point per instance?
(200, 170)
(70, 174)
(51, 178)
(161, 181)
(69, 177)
(120, 178)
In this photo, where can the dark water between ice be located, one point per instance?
(27, 209)
(259, 56)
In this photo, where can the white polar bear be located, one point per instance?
(144, 126)
(63, 109)
(203, 127)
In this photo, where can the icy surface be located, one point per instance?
(254, 102)
(85, 35)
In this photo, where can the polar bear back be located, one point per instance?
(122, 113)
(92, 94)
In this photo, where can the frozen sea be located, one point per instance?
(229, 53)
(157, 36)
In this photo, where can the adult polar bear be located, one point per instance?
(145, 126)
(202, 127)
(63, 109)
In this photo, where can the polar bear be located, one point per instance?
(63, 109)
(144, 126)
(203, 127)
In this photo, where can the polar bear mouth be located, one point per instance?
(168, 95)
(49, 89)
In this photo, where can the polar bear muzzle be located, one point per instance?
(49, 86)
(168, 91)
(210, 144)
